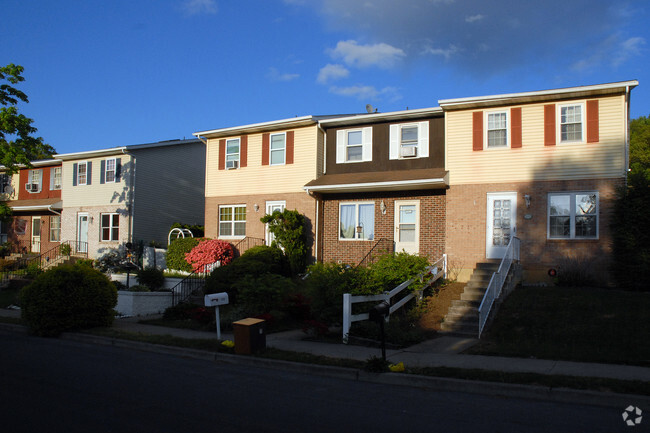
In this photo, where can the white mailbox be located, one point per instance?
(216, 299)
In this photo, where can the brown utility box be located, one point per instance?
(250, 336)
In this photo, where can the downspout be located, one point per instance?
(49, 208)
(131, 197)
(317, 232)
(627, 132)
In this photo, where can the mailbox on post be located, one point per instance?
(378, 314)
(214, 300)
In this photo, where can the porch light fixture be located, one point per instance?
(256, 207)
(382, 207)
(527, 199)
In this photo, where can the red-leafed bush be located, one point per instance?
(209, 251)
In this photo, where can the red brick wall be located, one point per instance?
(432, 225)
(466, 222)
(25, 239)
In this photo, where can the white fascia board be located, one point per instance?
(496, 98)
(283, 123)
(374, 117)
(375, 186)
(39, 163)
(34, 208)
(91, 153)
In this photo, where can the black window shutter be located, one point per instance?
(74, 174)
(89, 172)
(102, 169)
(118, 169)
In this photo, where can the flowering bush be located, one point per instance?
(207, 252)
(397, 367)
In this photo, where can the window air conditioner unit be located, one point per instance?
(409, 151)
(230, 165)
(32, 187)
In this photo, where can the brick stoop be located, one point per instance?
(462, 317)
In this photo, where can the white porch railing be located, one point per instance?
(495, 287)
(436, 271)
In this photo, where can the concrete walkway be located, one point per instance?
(443, 351)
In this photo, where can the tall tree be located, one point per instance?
(640, 146)
(18, 145)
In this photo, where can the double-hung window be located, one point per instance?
(409, 140)
(278, 149)
(232, 221)
(357, 221)
(110, 227)
(497, 129)
(55, 228)
(34, 182)
(232, 153)
(56, 177)
(109, 173)
(573, 215)
(354, 145)
(82, 173)
(571, 123)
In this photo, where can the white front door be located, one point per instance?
(36, 234)
(407, 226)
(501, 223)
(272, 206)
(82, 233)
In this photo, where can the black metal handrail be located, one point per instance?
(188, 286)
(247, 243)
(383, 245)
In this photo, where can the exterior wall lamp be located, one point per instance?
(527, 199)
(382, 207)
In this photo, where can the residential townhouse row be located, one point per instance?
(460, 179)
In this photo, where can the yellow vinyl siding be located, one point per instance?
(268, 179)
(95, 194)
(534, 161)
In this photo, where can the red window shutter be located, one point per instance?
(243, 150)
(592, 122)
(549, 125)
(289, 147)
(515, 128)
(222, 154)
(477, 130)
(265, 149)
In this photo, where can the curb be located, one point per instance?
(493, 389)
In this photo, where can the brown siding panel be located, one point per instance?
(549, 125)
(477, 130)
(222, 154)
(289, 147)
(265, 149)
(592, 121)
(243, 149)
(515, 130)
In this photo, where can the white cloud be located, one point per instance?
(194, 7)
(365, 93)
(626, 49)
(363, 56)
(332, 72)
(446, 53)
(613, 51)
(275, 75)
(473, 18)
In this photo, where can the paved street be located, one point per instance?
(50, 385)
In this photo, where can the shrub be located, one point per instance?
(263, 294)
(152, 278)
(180, 311)
(209, 251)
(65, 249)
(68, 297)
(324, 286)
(118, 285)
(110, 261)
(577, 270)
(254, 262)
(288, 227)
(197, 230)
(175, 255)
(33, 270)
(392, 270)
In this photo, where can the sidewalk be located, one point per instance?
(443, 351)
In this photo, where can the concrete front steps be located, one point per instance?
(462, 317)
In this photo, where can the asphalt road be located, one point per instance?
(50, 385)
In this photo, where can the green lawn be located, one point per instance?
(576, 324)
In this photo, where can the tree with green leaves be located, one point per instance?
(18, 145)
(288, 228)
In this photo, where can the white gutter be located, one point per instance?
(91, 153)
(254, 126)
(404, 114)
(53, 211)
(374, 185)
(28, 208)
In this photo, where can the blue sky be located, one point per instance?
(111, 73)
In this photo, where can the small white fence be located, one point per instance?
(497, 281)
(434, 272)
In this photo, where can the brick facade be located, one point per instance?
(467, 213)
(432, 224)
(96, 247)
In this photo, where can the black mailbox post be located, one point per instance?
(378, 314)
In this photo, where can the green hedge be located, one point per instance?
(68, 297)
(175, 255)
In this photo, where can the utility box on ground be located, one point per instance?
(250, 336)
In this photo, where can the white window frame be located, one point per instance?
(232, 222)
(395, 140)
(342, 145)
(54, 228)
(358, 236)
(283, 150)
(85, 165)
(35, 176)
(572, 215)
(107, 170)
(237, 154)
(486, 138)
(583, 122)
(110, 227)
(54, 185)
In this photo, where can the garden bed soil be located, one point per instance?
(437, 305)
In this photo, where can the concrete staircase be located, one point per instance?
(462, 317)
